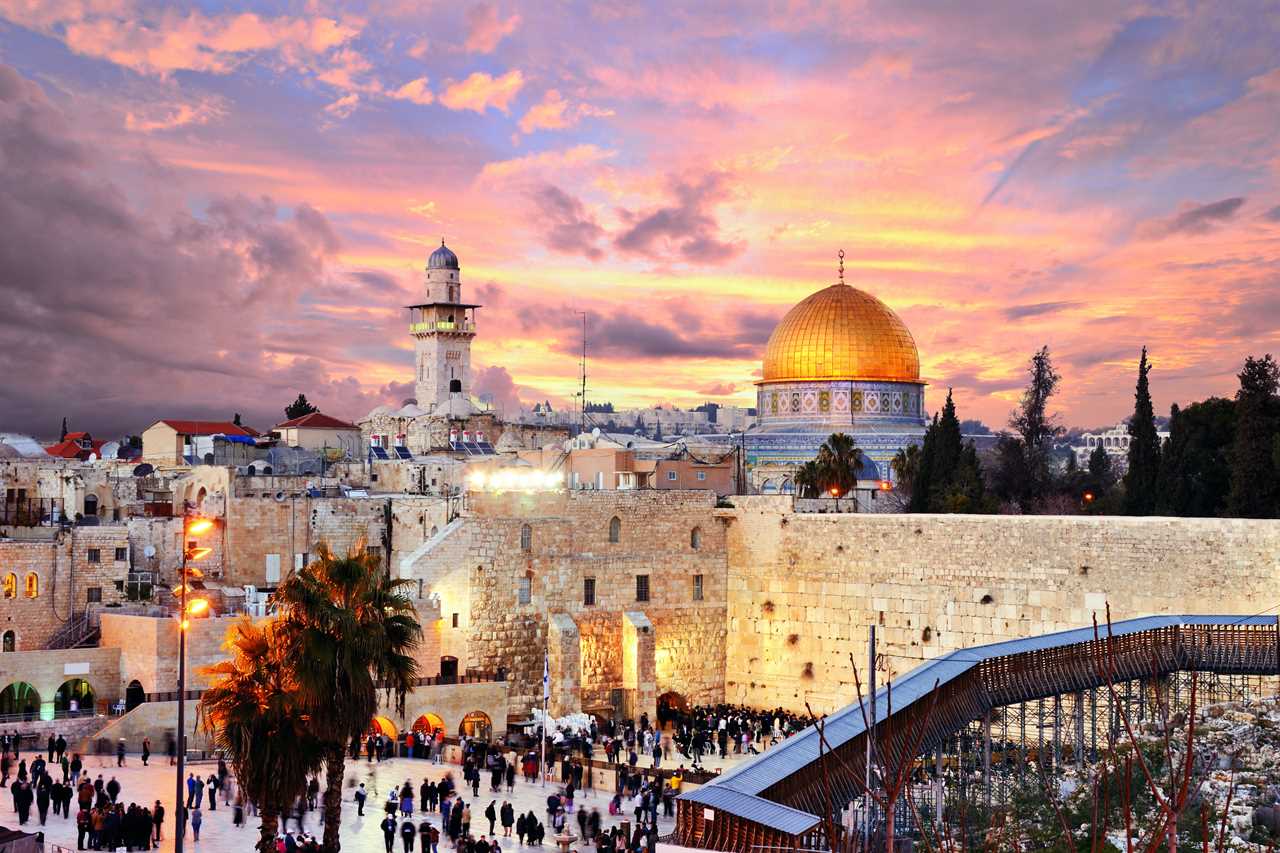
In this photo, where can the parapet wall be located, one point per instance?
(803, 588)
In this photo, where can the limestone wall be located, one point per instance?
(478, 568)
(802, 588)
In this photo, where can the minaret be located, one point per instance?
(442, 329)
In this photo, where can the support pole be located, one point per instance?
(871, 736)
(941, 790)
(179, 821)
(1079, 748)
(986, 758)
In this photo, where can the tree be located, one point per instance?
(351, 630)
(1029, 478)
(808, 480)
(252, 711)
(906, 466)
(1142, 480)
(947, 476)
(1101, 475)
(1254, 489)
(1195, 474)
(236, 419)
(833, 471)
(299, 407)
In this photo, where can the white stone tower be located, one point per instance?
(442, 329)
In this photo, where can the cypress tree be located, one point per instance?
(1253, 472)
(1141, 481)
(1101, 477)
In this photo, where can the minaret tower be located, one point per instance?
(442, 329)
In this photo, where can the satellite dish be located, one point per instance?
(149, 551)
(93, 457)
(595, 432)
(143, 470)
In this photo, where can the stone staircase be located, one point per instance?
(80, 632)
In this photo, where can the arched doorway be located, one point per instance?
(74, 698)
(90, 504)
(428, 724)
(134, 695)
(20, 698)
(448, 669)
(476, 725)
(383, 726)
(670, 705)
(10, 641)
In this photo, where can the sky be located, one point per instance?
(207, 208)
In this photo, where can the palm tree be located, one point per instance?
(351, 631)
(809, 479)
(252, 713)
(840, 460)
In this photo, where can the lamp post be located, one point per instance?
(196, 606)
(835, 493)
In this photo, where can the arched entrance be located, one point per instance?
(382, 726)
(134, 695)
(476, 725)
(428, 724)
(20, 698)
(670, 705)
(90, 504)
(74, 697)
(10, 641)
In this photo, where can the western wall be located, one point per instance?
(803, 587)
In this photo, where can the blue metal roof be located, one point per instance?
(758, 809)
(801, 750)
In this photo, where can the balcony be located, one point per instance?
(33, 512)
(429, 327)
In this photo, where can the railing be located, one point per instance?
(75, 632)
(33, 512)
(34, 717)
(444, 326)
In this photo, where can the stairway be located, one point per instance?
(80, 632)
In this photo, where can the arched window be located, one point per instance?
(615, 529)
(695, 538)
(10, 585)
(90, 504)
(455, 386)
(10, 641)
(33, 585)
(526, 538)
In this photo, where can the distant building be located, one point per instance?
(318, 431)
(76, 445)
(1115, 442)
(182, 442)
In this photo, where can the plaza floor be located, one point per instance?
(145, 785)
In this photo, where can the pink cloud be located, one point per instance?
(553, 112)
(485, 28)
(415, 91)
(480, 91)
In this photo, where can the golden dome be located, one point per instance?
(841, 333)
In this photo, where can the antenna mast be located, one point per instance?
(582, 403)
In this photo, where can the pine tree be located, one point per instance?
(1141, 481)
(1253, 473)
(1195, 474)
(299, 407)
(947, 477)
(1101, 477)
(1029, 478)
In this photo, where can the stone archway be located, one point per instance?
(75, 697)
(383, 726)
(20, 699)
(476, 725)
(670, 705)
(428, 724)
(134, 695)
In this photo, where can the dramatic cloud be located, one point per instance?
(1198, 219)
(485, 28)
(1272, 215)
(553, 112)
(481, 91)
(685, 230)
(566, 224)
(495, 385)
(1038, 309)
(415, 91)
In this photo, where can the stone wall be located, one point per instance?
(47, 670)
(478, 565)
(804, 587)
(69, 567)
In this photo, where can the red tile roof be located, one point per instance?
(69, 447)
(316, 420)
(207, 427)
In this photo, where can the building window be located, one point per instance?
(615, 529)
(10, 641)
(524, 590)
(695, 538)
(33, 585)
(671, 475)
(588, 591)
(11, 585)
(93, 595)
(702, 475)
(122, 554)
(642, 587)
(272, 568)
(697, 587)
(526, 538)
(95, 555)
(455, 620)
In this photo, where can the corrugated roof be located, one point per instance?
(801, 750)
(758, 809)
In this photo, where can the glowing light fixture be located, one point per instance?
(198, 526)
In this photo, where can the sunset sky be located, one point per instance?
(207, 208)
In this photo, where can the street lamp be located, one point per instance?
(186, 608)
(835, 493)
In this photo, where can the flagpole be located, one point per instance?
(546, 694)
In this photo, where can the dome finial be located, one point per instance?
(841, 256)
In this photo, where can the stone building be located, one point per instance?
(624, 590)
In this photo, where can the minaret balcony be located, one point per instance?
(431, 326)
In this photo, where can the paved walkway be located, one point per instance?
(144, 785)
